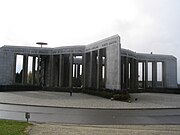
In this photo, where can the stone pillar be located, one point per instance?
(99, 70)
(51, 71)
(146, 74)
(132, 74)
(75, 70)
(56, 69)
(78, 70)
(44, 70)
(126, 72)
(143, 75)
(154, 74)
(25, 69)
(113, 68)
(75, 75)
(33, 70)
(87, 70)
(60, 70)
(105, 67)
(38, 71)
(136, 74)
(84, 70)
(70, 70)
(90, 72)
(14, 69)
(122, 72)
(94, 69)
(164, 74)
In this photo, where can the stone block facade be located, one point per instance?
(102, 64)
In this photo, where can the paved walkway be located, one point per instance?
(62, 99)
(60, 129)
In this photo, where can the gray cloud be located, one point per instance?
(160, 34)
(144, 25)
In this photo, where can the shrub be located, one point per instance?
(121, 95)
(105, 94)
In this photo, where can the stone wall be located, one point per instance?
(113, 62)
(7, 65)
(170, 74)
(109, 49)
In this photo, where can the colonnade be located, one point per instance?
(130, 75)
(77, 69)
(24, 71)
(104, 64)
(60, 71)
(64, 71)
(154, 83)
(52, 70)
(94, 73)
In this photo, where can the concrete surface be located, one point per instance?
(60, 129)
(145, 100)
(62, 99)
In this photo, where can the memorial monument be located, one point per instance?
(103, 64)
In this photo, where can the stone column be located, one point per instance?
(60, 70)
(25, 69)
(70, 70)
(84, 70)
(38, 71)
(146, 74)
(75, 75)
(33, 70)
(132, 74)
(87, 70)
(75, 70)
(78, 70)
(164, 74)
(119, 65)
(136, 74)
(90, 72)
(154, 74)
(14, 69)
(143, 75)
(51, 71)
(122, 73)
(94, 70)
(126, 72)
(99, 70)
(105, 72)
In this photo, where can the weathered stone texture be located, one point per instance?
(170, 74)
(58, 71)
(6, 68)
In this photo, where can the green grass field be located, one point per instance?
(10, 127)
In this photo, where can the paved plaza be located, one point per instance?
(60, 129)
(79, 100)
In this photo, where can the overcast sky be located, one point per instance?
(144, 25)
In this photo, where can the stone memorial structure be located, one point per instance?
(103, 64)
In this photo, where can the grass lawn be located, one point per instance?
(11, 127)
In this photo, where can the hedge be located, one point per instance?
(120, 95)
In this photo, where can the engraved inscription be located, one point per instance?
(101, 45)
